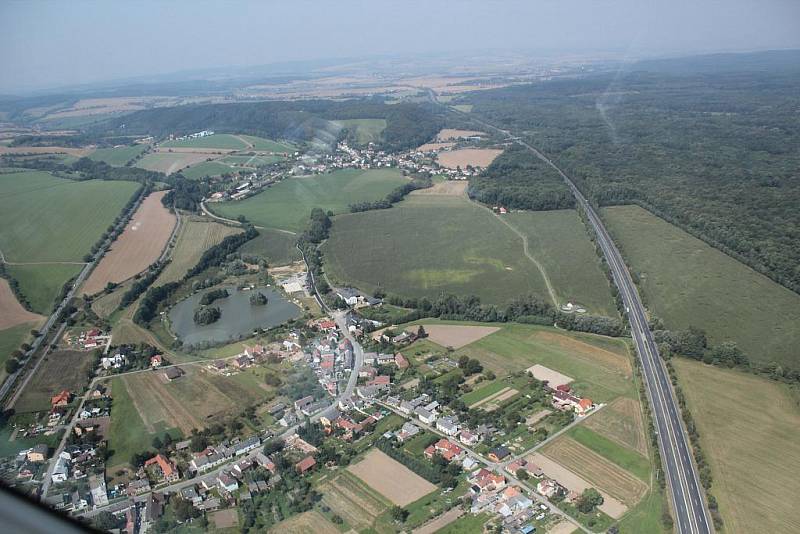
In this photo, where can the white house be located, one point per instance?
(61, 471)
(447, 425)
(425, 416)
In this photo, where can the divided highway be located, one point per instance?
(686, 493)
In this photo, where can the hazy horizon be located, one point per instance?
(54, 44)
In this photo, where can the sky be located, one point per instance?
(46, 44)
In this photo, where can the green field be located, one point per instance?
(10, 340)
(277, 247)
(46, 220)
(427, 245)
(267, 145)
(208, 168)
(623, 457)
(482, 392)
(287, 204)
(559, 242)
(688, 283)
(49, 219)
(365, 130)
(42, 283)
(221, 141)
(748, 430)
(600, 366)
(254, 160)
(127, 432)
(466, 524)
(117, 156)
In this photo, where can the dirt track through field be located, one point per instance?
(137, 247)
(11, 311)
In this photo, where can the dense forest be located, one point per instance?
(714, 153)
(407, 124)
(519, 180)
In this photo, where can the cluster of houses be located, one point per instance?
(89, 339)
(196, 135)
(330, 358)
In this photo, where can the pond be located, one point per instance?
(239, 317)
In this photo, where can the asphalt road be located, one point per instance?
(690, 512)
(687, 496)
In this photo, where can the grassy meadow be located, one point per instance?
(47, 227)
(208, 169)
(277, 247)
(748, 429)
(687, 282)
(287, 204)
(559, 242)
(10, 340)
(220, 141)
(267, 145)
(427, 245)
(117, 156)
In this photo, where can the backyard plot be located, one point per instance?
(351, 499)
(622, 422)
(390, 478)
(602, 473)
(311, 522)
(462, 157)
(62, 369)
(545, 374)
(137, 247)
(493, 402)
(457, 336)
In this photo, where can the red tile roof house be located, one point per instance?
(62, 399)
(381, 380)
(400, 361)
(445, 449)
(156, 361)
(305, 464)
(485, 480)
(168, 470)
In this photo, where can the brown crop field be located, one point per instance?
(390, 478)
(137, 247)
(545, 374)
(448, 134)
(195, 236)
(748, 429)
(311, 522)
(600, 472)
(348, 497)
(477, 157)
(11, 311)
(606, 358)
(457, 336)
(621, 422)
(62, 369)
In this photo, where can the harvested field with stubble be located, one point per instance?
(195, 236)
(137, 247)
(622, 422)
(390, 478)
(457, 336)
(11, 311)
(351, 499)
(455, 188)
(545, 374)
(748, 429)
(448, 134)
(311, 522)
(602, 473)
(476, 157)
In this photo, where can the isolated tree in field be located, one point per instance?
(399, 514)
(589, 500)
(421, 333)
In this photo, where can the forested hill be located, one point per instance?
(717, 154)
(407, 124)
